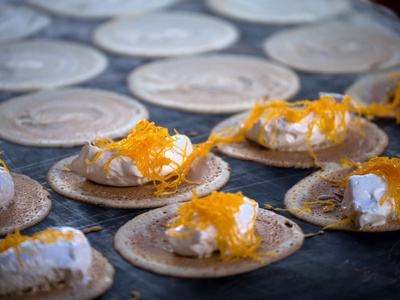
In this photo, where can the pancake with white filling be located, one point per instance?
(56, 263)
(345, 135)
(143, 155)
(143, 242)
(331, 208)
(23, 201)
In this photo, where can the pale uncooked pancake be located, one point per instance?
(68, 117)
(278, 12)
(313, 186)
(30, 205)
(99, 9)
(334, 48)
(44, 64)
(372, 89)
(101, 273)
(143, 243)
(17, 22)
(212, 84)
(165, 34)
(211, 171)
(353, 148)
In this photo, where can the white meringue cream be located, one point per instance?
(41, 264)
(6, 188)
(362, 196)
(202, 243)
(123, 170)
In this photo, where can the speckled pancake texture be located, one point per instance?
(213, 84)
(45, 64)
(334, 48)
(278, 12)
(210, 170)
(372, 89)
(101, 273)
(68, 117)
(100, 9)
(142, 242)
(30, 205)
(353, 148)
(17, 22)
(165, 34)
(313, 186)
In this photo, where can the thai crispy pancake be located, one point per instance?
(334, 48)
(210, 170)
(17, 22)
(313, 186)
(101, 273)
(84, 9)
(165, 34)
(372, 89)
(68, 117)
(30, 205)
(46, 64)
(143, 243)
(213, 84)
(353, 148)
(278, 12)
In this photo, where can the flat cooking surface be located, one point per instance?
(351, 265)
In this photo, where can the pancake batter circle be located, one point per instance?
(373, 89)
(17, 22)
(212, 84)
(68, 117)
(100, 9)
(165, 34)
(278, 12)
(333, 48)
(44, 64)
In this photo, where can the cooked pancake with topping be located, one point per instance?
(357, 197)
(23, 201)
(218, 235)
(301, 134)
(147, 154)
(55, 263)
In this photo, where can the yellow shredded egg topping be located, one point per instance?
(4, 165)
(13, 240)
(328, 116)
(218, 210)
(147, 143)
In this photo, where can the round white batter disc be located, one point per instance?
(165, 34)
(45, 64)
(17, 22)
(212, 84)
(68, 117)
(99, 9)
(278, 12)
(373, 89)
(334, 48)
